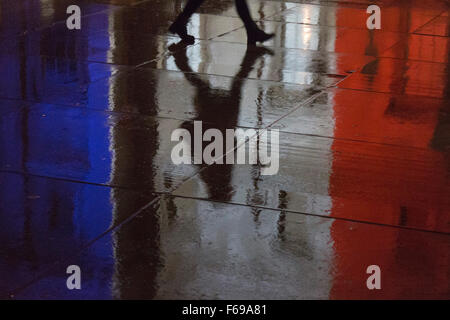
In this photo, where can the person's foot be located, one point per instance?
(258, 35)
(181, 31)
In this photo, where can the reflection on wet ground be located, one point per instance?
(86, 176)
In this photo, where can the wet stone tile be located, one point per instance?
(355, 15)
(340, 2)
(259, 10)
(324, 15)
(188, 96)
(113, 47)
(121, 2)
(205, 26)
(283, 65)
(400, 77)
(50, 79)
(390, 119)
(189, 249)
(408, 16)
(92, 146)
(86, 118)
(147, 23)
(149, 18)
(163, 13)
(321, 38)
(329, 177)
(439, 26)
(7, 106)
(38, 14)
(45, 220)
(412, 48)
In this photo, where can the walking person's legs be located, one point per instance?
(254, 34)
(179, 25)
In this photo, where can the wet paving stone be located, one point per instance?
(185, 249)
(259, 10)
(189, 96)
(119, 48)
(323, 15)
(50, 79)
(321, 38)
(50, 219)
(282, 65)
(22, 16)
(394, 18)
(345, 179)
(371, 117)
(412, 48)
(10, 106)
(439, 26)
(401, 77)
(87, 171)
(92, 147)
(147, 22)
(408, 16)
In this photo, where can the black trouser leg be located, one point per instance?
(188, 11)
(244, 13)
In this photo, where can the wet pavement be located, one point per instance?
(87, 179)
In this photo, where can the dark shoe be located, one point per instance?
(181, 31)
(258, 36)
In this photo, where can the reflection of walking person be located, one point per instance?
(216, 109)
(254, 34)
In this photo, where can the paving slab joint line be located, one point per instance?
(41, 28)
(314, 215)
(22, 172)
(157, 198)
(46, 272)
(231, 77)
(306, 101)
(429, 21)
(262, 130)
(165, 54)
(399, 41)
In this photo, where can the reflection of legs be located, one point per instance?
(254, 34)
(181, 61)
(244, 13)
(179, 26)
(248, 61)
